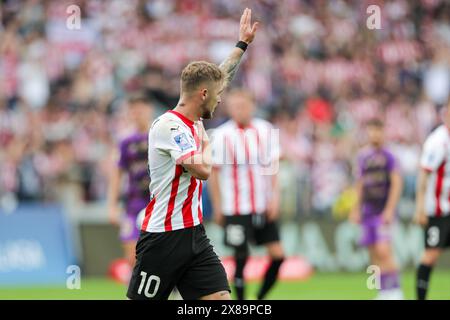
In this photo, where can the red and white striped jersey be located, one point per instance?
(176, 196)
(244, 159)
(436, 160)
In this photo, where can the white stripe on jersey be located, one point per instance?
(436, 160)
(239, 155)
(176, 197)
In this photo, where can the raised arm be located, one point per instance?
(247, 33)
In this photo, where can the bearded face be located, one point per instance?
(212, 100)
(207, 114)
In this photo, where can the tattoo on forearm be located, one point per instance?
(230, 66)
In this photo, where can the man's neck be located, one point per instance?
(377, 146)
(187, 109)
(143, 129)
(243, 125)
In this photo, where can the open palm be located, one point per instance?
(247, 31)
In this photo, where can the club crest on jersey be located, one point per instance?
(182, 141)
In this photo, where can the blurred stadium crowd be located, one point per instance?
(316, 71)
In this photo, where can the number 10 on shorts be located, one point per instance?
(149, 281)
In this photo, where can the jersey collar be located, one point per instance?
(240, 126)
(187, 121)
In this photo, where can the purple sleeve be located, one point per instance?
(123, 163)
(391, 163)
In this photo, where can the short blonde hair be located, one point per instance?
(198, 72)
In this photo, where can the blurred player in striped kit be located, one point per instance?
(245, 199)
(433, 200)
(132, 163)
(379, 186)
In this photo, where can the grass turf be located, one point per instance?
(340, 286)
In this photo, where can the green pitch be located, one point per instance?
(340, 286)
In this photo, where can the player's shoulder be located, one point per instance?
(166, 122)
(263, 124)
(166, 118)
(389, 154)
(364, 152)
(229, 124)
(126, 140)
(218, 133)
(438, 136)
(388, 150)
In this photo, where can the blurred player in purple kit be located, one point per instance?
(132, 162)
(379, 186)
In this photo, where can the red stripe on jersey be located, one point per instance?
(200, 214)
(148, 214)
(189, 123)
(249, 172)
(234, 174)
(438, 190)
(183, 118)
(258, 148)
(173, 194)
(196, 138)
(188, 218)
(184, 157)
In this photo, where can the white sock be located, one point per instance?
(392, 294)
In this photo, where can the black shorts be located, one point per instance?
(183, 258)
(437, 232)
(251, 228)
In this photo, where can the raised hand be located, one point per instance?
(247, 31)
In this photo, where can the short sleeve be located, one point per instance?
(176, 140)
(391, 163)
(433, 154)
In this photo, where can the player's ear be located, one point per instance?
(204, 94)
